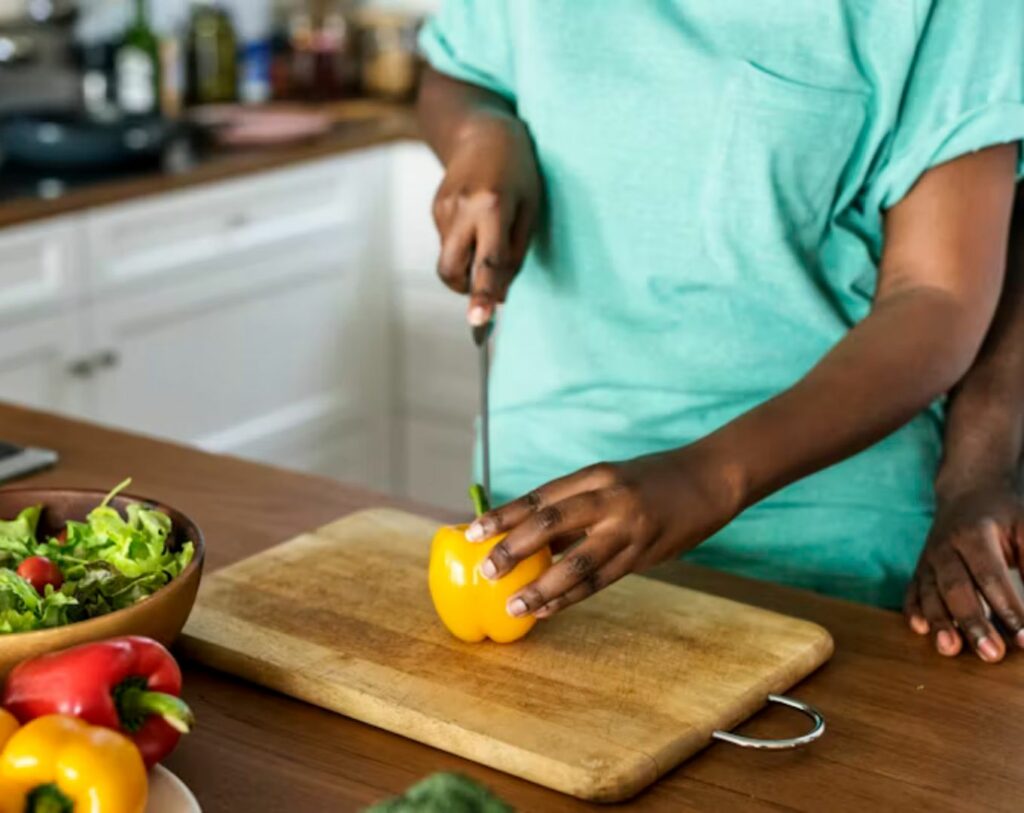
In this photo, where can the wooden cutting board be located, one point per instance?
(597, 702)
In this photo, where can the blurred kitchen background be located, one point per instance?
(215, 228)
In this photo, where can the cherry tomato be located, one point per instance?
(39, 572)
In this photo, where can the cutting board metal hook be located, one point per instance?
(778, 745)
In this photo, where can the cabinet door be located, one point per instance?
(264, 369)
(42, 334)
(39, 365)
(271, 347)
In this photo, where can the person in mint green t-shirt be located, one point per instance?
(744, 249)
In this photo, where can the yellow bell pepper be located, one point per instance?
(472, 607)
(60, 764)
(8, 725)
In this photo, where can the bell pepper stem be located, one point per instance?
(48, 799)
(135, 704)
(479, 498)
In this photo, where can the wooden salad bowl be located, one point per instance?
(160, 616)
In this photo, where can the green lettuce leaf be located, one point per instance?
(18, 536)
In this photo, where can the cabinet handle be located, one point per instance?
(106, 360)
(90, 365)
(82, 368)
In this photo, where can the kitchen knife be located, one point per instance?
(481, 338)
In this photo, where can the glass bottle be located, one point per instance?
(137, 66)
(212, 55)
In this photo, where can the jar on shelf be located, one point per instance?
(389, 59)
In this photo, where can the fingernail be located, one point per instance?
(475, 533)
(517, 607)
(1019, 638)
(947, 643)
(478, 316)
(988, 649)
(918, 625)
(488, 570)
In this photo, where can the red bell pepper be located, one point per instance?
(130, 684)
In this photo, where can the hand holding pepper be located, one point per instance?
(626, 517)
(129, 684)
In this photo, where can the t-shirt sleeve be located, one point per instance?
(471, 40)
(965, 92)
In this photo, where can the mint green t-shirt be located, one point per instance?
(716, 175)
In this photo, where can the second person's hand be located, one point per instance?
(485, 210)
(976, 537)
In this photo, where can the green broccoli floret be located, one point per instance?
(444, 793)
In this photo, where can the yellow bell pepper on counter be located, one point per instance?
(59, 764)
(470, 606)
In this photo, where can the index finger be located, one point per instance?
(493, 267)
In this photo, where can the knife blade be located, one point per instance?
(481, 338)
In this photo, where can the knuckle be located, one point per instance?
(533, 598)
(991, 585)
(502, 556)
(554, 605)
(604, 474)
(952, 583)
(440, 209)
(548, 518)
(488, 200)
(534, 501)
(644, 527)
(498, 522)
(581, 564)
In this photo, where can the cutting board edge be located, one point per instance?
(603, 785)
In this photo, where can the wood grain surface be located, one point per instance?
(598, 702)
(907, 728)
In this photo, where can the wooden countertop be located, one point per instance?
(357, 124)
(907, 729)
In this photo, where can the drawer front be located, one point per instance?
(38, 270)
(176, 233)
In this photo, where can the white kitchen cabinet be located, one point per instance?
(247, 317)
(261, 337)
(42, 335)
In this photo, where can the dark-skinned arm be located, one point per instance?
(486, 207)
(978, 531)
(940, 276)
